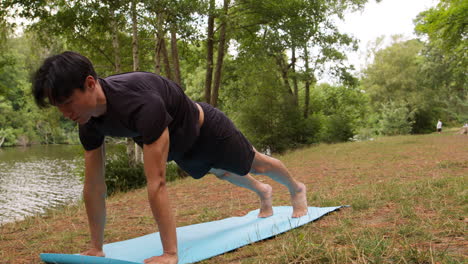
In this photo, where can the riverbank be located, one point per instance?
(408, 197)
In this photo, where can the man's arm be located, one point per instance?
(155, 158)
(94, 195)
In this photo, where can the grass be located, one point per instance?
(408, 197)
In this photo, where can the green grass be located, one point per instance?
(408, 198)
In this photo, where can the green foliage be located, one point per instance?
(408, 72)
(258, 88)
(89, 26)
(7, 137)
(395, 74)
(445, 24)
(172, 173)
(396, 119)
(337, 128)
(14, 105)
(425, 120)
(120, 177)
(267, 114)
(342, 111)
(445, 56)
(18, 112)
(270, 120)
(313, 125)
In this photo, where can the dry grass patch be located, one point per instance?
(408, 196)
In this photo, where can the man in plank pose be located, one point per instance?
(156, 113)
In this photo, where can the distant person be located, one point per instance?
(439, 126)
(464, 129)
(156, 113)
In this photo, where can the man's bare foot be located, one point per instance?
(266, 208)
(299, 201)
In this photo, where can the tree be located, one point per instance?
(266, 115)
(394, 74)
(445, 25)
(221, 50)
(134, 151)
(178, 20)
(445, 54)
(209, 51)
(5, 27)
(288, 42)
(397, 79)
(20, 120)
(298, 26)
(342, 110)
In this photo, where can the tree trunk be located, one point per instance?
(160, 54)
(165, 55)
(209, 52)
(157, 46)
(175, 56)
(310, 80)
(115, 42)
(136, 63)
(294, 77)
(134, 151)
(157, 55)
(161, 50)
(284, 72)
(221, 50)
(131, 146)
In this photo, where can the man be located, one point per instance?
(439, 126)
(157, 114)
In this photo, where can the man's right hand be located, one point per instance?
(94, 252)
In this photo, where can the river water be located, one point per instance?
(37, 178)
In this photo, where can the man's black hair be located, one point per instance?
(59, 75)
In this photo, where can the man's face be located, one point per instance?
(79, 106)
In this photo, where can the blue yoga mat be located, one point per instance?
(200, 241)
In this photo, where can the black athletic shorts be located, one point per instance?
(219, 145)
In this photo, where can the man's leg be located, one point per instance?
(264, 191)
(276, 170)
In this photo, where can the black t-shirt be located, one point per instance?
(141, 105)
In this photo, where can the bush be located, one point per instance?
(8, 137)
(269, 118)
(313, 126)
(120, 177)
(425, 120)
(172, 172)
(396, 119)
(337, 128)
(341, 110)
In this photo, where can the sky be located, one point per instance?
(387, 18)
